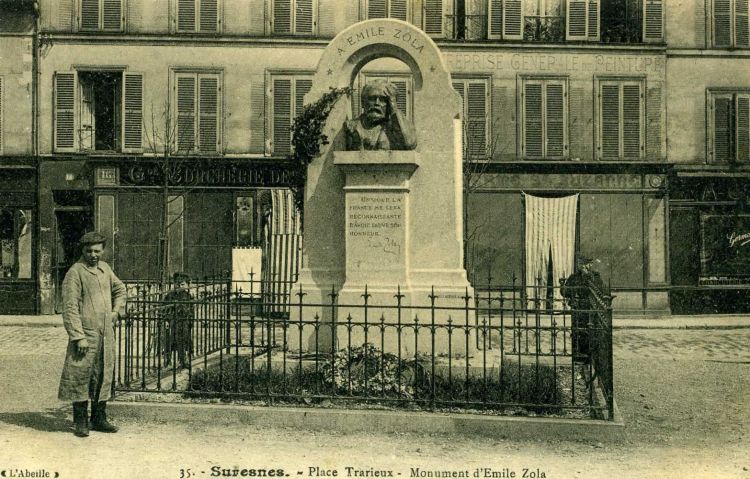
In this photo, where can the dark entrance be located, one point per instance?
(73, 218)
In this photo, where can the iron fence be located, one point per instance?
(498, 349)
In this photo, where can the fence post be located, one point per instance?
(228, 312)
(610, 358)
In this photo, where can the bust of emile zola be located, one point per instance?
(381, 126)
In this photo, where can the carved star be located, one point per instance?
(330, 72)
(432, 68)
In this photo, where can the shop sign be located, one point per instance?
(106, 177)
(572, 181)
(205, 175)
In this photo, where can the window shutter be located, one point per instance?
(654, 121)
(495, 19)
(742, 128)
(631, 121)
(209, 15)
(741, 27)
(555, 120)
(301, 87)
(575, 25)
(186, 112)
(722, 23)
(399, 10)
(653, 21)
(132, 132)
(65, 96)
(303, 17)
(532, 125)
(209, 94)
(377, 9)
(609, 143)
(112, 15)
(282, 16)
(282, 106)
(90, 15)
(459, 86)
(402, 96)
(592, 26)
(512, 20)
(476, 109)
(722, 129)
(433, 18)
(186, 15)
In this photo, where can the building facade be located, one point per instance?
(612, 129)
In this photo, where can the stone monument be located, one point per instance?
(383, 201)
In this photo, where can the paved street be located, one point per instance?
(683, 395)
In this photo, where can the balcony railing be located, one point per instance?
(466, 27)
(541, 28)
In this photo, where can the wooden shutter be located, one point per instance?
(186, 110)
(632, 146)
(186, 15)
(432, 18)
(460, 87)
(209, 16)
(576, 21)
(741, 27)
(513, 19)
(303, 17)
(654, 121)
(722, 23)
(89, 15)
(592, 20)
(742, 128)
(609, 121)
(377, 9)
(282, 16)
(476, 113)
(209, 98)
(301, 88)
(722, 140)
(399, 10)
(282, 107)
(132, 101)
(65, 105)
(495, 19)
(112, 15)
(653, 21)
(533, 134)
(554, 121)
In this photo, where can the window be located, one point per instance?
(101, 15)
(198, 16)
(505, 19)
(16, 231)
(582, 22)
(294, 17)
(729, 127)
(476, 111)
(620, 116)
(94, 112)
(287, 93)
(398, 9)
(544, 20)
(730, 23)
(197, 97)
(544, 118)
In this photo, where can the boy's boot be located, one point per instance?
(99, 418)
(80, 418)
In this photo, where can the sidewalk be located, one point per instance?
(719, 321)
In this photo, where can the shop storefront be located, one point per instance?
(710, 252)
(18, 231)
(521, 220)
(216, 214)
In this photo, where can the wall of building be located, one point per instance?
(16, 99)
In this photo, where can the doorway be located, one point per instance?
(71, 222)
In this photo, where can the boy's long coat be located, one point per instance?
(90, 295)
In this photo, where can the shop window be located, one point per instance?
(244, 222)
(620, 114)
(729, 21)
(398, 9)
(16, 230)
(209, 233)
(475, 103)
(198, 112)
(101, 15)
(287, 94)
(544, 118)
(729, 127)
(198, 16)
(93, 112)
(294, 17)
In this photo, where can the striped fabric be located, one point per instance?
(550, 230)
